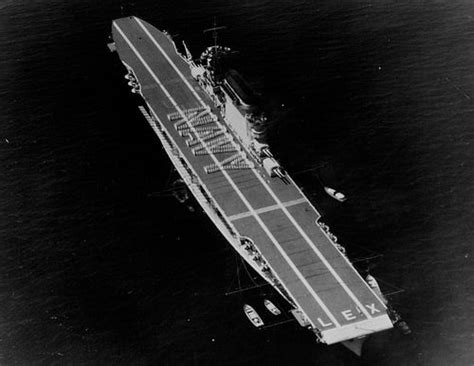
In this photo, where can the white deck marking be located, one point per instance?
(236, 189)
(262, 210)
(270, 191)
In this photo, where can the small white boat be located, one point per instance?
(253, 316)
(271, 307)
(334, 194)
(374, 285)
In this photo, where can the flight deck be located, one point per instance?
(273, 213)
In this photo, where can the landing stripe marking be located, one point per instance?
(277, 200)
(239, 193)
(262, 210)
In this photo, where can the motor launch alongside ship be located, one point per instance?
(212, 129)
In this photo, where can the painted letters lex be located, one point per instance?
(350, 315)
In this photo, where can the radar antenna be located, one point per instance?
(214, 31)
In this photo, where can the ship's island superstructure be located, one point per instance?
(209, 126)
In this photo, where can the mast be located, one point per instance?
(215, 52)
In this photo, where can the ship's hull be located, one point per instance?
(268, 221)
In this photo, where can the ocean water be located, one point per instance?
(375, 98)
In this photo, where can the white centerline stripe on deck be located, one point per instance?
(262, 210)
(277, 200)
(236, 189)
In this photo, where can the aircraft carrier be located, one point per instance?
(215, 138)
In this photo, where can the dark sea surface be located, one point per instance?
(372, 97)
